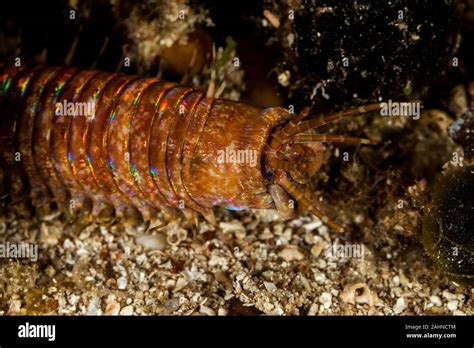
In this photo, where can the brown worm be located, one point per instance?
(107, 142)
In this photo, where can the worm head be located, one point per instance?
(290, 169)
(293, 156)
(289, 165)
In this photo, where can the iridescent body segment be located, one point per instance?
(102, 142)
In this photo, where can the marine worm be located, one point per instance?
(106, 142)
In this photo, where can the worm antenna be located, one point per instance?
(305, 138)
(283, 133)
(296, 125)
(324, 119)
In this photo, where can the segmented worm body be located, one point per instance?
(108, 142)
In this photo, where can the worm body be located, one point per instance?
(148, 145)
(107, 142)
